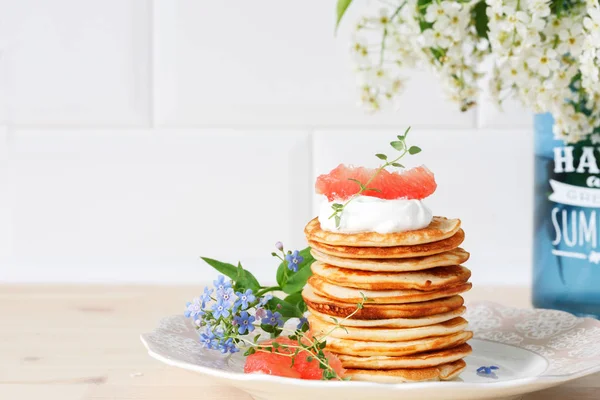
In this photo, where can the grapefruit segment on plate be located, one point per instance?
(280, 363)
(411, 184)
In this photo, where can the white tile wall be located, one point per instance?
(272, 68)
(143, 206)
(142, 134)
(5, 215)
(70, 62)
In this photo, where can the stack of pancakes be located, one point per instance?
(410, 327)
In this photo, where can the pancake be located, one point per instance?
(444, 372)
(350, 295)
(440, 228)
(392, 322)
(337, 308)
(453, 257)
(370, 348)
(418, 250)
(431, 279)
(320, 328)
(421, 360)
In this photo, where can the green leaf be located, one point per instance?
(414, 150)
(398, 145)
(243, 278)
(268, 329)
(240, 272)
(559, 6)
(398, 165)
(437, 52)
(337, 206)
(298, 280)
(338, 219)
(247, 280)
(280, 275)
(287, 310)
(357, 182)
(342, 6)
(226, 269)
(373, 190)
(297, 300)
(479, 15)
(422, 6)
(381, 156)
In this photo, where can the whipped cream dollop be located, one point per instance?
(372, 214)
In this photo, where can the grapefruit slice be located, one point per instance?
(411, 184)
(311, 369)
(280, 364)
(275, 363)
(270, 364)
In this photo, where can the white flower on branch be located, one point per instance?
(548, 59)
(543, 62)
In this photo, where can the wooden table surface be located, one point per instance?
(82, 342)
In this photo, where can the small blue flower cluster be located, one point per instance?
(222, 314)
(294, 260)
(485, 371)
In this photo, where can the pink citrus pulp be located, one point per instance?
(411, 184)
(280, 363)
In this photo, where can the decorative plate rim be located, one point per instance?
(543, 379)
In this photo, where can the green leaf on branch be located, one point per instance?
(479, 15)
(297, 300)
(414, 150)
(242, 278)
(247, 280)
(337, 206)
(359, 183)
(397, 165)
(280, 275)
(226, 269)
(297, 281)
(342, 6)
(381, 156)
(286, 310)
(398, 145)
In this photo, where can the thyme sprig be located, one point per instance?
(398, 145)
(312, 345)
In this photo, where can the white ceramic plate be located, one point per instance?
(535, 349)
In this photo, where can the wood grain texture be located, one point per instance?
(82, 343)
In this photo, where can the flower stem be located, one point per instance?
(266, 290)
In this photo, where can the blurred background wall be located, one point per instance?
(137, 135)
